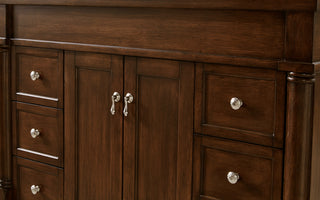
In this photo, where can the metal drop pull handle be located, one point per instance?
(35, 189)
(115, 98)
(127, 99)
(34, 133)
(34, 75)
(233, 177)
(236, 103)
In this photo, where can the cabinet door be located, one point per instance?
(158, 130)
(93, 136)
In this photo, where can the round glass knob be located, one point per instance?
(34, 133)
(233, 177)
(35, 189)
(34, 75)
(236, 103)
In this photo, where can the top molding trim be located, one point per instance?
(271, 5)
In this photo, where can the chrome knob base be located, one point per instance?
(236, 103)
(233, 177)
(34, 75)
(34, 133)
(35, 189)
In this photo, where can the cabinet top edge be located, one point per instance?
(268, 5)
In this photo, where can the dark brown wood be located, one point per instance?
(49, 64)
(299, 67)
(316, 38)
(93, 137)
(259, 168)
(315, 159)
(260, 120)
(310, 5)
(153, 53)
(229, 32)
(3, 143)
(299, 36)
(158, 130)
(5, 131)
(48, 178)
(298, 145)
(250, 46)
(2, 21)
(49, 122)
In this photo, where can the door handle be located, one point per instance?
(127, 99)
(114, 98)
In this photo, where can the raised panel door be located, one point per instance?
(158, 129)
(93, 136)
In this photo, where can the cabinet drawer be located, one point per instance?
(38, 133)
(258, 168)
(38, 76)
(258, 103)
(44, 180)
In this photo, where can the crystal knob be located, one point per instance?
(236, 103)
(233, 177)
(34, 75)
(35, 189)
(34, 133)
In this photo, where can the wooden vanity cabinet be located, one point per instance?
(159, 100)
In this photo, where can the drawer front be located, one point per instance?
(230, 170)
(38, 133)
(240, 103)
(38, 76)
(34, 180)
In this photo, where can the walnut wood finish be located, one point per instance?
(260, 120)
(259, 168)
(315, 158)
(93, 137)
(298, 146)
(310, 5)
(157, 160)
(153, 53)
(298, 42)
(229, 32)
(2, 24)
(5, 134)
(49, 64)
(48, 121)
(277, 35)
(48, 178)
(316, 38)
